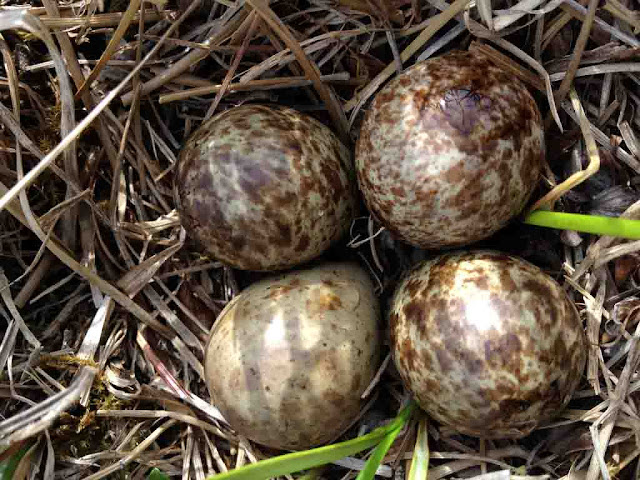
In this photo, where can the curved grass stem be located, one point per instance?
(371, 467)
(297, 461)
(598, 225)
(420, 460)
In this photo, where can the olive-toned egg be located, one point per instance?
(265, 188)
(289, 358)
(488, 343)
(450, 151)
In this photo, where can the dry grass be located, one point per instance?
(106, 305)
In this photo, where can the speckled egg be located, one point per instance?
(289, 358)
(449, 151)
(265, 188)
(488, 343)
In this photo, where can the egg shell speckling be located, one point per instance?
(488, 343)
(289, 358)
(449, 151)
(265, 188)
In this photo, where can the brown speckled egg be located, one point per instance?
(488, 343)
(449, 151)
(289, 358)
(265, 188)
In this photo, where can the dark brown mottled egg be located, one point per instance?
(449, 151)
(488, 343)
(265, 188)
(289, 358)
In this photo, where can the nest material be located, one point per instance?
(107, 305)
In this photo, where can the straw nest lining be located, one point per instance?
(106, 303)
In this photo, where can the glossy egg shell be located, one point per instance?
(265, 188)
(449, 151)
(288, 360)
(488, 343)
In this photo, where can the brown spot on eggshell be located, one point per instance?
(449, 151)
(334, 398)
(303, 243)
(498, 337)
(280, 291)
(408, 354)
(323, 301)
(413, 287)
(265, 188)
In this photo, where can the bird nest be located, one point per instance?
(107, 304)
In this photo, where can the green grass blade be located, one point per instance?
(157, 474)
(297, 461)
(420, 460)
(371, 467)
(9, 465)
(595, 224)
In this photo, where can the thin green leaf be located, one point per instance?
(420, 460)
(297, 461)
(371, 467)
(598, 225)
(157, 474)
(8, 466)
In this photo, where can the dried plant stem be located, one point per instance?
(434, 25)
(67, 121)
(519, 10)
(554, 28)
(444, 40)
(70, 160)
(75, 70)
(578, 49)
(578, 11)
(100, 20)
(633, 212)
(42, 415)
(34, 280)
(621, 12)
(193, 57)
(11, 306)
(145, 444)
(65, 257)
(597, 464)
(125, 22)
(605, 141)
(118, 198)
(137, 123)
(263, 84)
(311, 70)
(577, 178)
(174, 385)
(598, 70)
(84, 124)
(13, 85)
(182, 417)
(254, 22)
